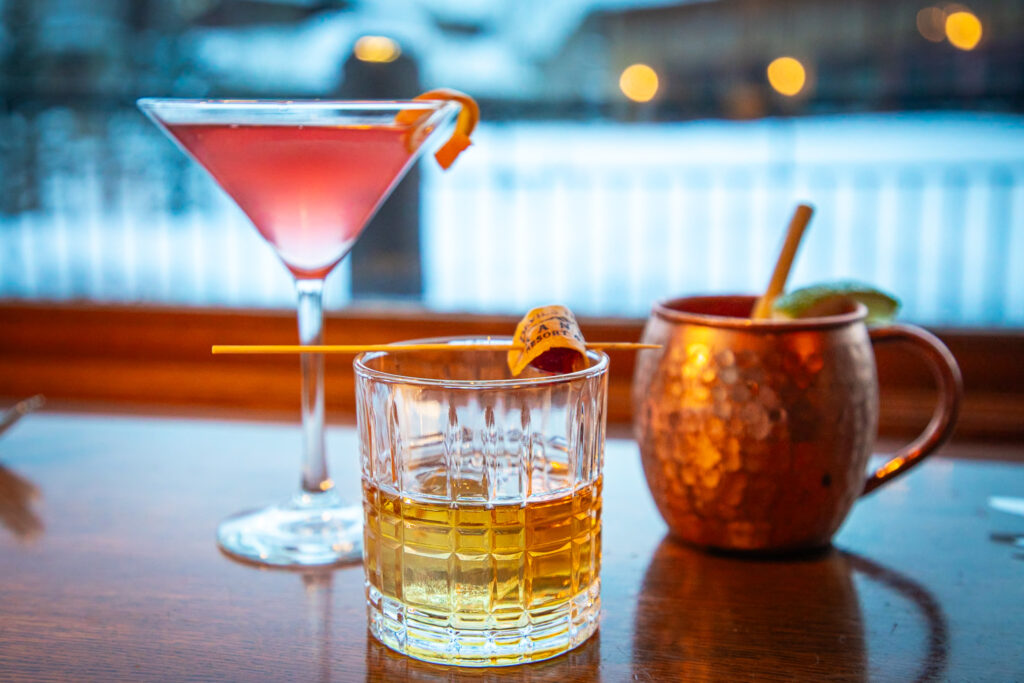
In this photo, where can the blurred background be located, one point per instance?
(630, 150)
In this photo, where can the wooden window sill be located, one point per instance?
(157, 360)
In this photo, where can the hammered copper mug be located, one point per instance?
(755, 434)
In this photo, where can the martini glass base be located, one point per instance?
(310, 529)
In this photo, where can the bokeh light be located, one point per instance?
(963, 30)
(787, 75)
(931, 23)
(376, 49)
(639, 82)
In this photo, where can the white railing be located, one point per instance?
(611, 218)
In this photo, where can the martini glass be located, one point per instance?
(309, 175)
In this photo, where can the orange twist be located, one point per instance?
(469, 115)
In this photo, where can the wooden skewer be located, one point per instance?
(360, 348)
(801, 217)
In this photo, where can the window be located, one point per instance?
(630, 150)
(909, 141)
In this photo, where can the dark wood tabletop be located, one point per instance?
(109, 571)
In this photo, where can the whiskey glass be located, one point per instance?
(482, 503)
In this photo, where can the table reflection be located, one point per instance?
(318, 590)
(16, 497)
(935, 659)
(583, 663)
(718, 616)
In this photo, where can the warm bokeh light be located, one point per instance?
(787, 75)
(639, 83)
(376, 49)
(931, 23)
(963, 30)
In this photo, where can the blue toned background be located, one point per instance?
(912, 150)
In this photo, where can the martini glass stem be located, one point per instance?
(311, 331)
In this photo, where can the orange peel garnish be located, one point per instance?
(469, 115)
(549, 339)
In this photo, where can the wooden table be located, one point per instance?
(112, 573)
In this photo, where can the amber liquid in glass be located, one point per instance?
(525, 569)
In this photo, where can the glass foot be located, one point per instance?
(311, 529)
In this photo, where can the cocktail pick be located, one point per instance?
(361, 348)
(801, 217)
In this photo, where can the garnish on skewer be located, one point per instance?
(548, 338)
(468, 117)
(260, 349)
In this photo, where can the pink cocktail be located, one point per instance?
(309, 190)
(309, 175)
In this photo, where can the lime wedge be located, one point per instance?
(834, 298)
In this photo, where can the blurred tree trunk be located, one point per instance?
(386, 261)
(19, 139)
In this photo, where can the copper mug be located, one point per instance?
(755, 434)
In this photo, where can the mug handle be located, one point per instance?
(951, 389)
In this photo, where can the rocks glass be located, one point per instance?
(482, 503)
